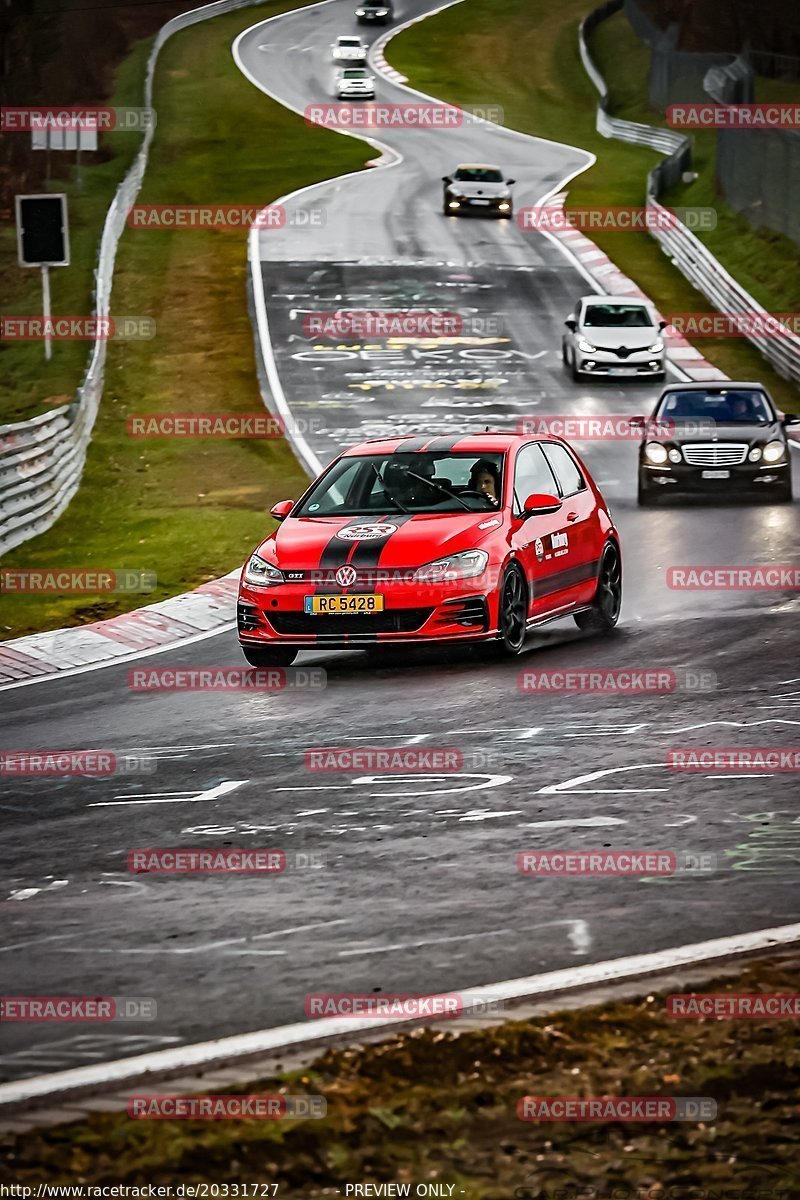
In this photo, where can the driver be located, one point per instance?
(485, 478)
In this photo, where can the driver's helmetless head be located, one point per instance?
(483, 478)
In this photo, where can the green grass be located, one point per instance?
(529, 64)
(767, 264)
(29, 385)
(428, 1107)
(190, 510)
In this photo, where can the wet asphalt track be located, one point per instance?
(419, 889)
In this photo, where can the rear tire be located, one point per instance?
(604, 613)
(269, 656)
(512, 615)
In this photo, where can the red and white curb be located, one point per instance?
(209, 609)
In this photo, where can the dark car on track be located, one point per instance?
(427, 540)
(721, 438)
(375, 12)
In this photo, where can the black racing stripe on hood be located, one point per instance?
(336, 552)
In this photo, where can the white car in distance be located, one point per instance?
(347, 49)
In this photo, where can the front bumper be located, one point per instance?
(462, 612)
(637, 364)
(479, 205)
(342, 95)
(681, 477)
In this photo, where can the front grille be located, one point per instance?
(398, 620)
(715, 454)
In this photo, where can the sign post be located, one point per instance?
(43, 241)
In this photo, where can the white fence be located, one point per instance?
(42, 460)
(686, 250)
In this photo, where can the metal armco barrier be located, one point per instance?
(686, 250)
(42, 460)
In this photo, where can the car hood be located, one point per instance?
(634, 337)
(397, 541)
(686, 431)
(477, 191)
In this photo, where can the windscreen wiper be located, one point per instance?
(387, 493)
(443, 490)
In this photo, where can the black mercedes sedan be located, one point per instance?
(721, 438)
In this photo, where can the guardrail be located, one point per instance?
(688, 253)
(42, 460)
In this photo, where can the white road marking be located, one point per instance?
(56, 937)
(588, 822)
(578, 935)
(264, 1041)
(222, 789)
(570, 785)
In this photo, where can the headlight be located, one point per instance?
(655, 452)
(465, 565)
(656, 348)
(504, 205)
(774, 452)
(586, 347)
(675, 455)
(755, 454)
(262, 573)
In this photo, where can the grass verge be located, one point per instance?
(28, 384)
(529, 63)
(429, 1107)
(189, 510)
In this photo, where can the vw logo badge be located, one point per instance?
(346, 576)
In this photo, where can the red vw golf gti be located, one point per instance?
(411, 540)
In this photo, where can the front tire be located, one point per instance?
(573, 370)
(604, 613)
(512, 614)
(782, 494)
(644, 495)
(269, 656)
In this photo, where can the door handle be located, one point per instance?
(573, 516)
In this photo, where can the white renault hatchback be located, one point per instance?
(616, 336)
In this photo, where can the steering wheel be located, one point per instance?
(480, 496)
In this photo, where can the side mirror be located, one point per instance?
(281, 510)
(571, 323)
(790, 419)
(447, 179)
(511, 181)
(541, 502)
(662, 324)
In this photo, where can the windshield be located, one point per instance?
(479, 175)
(746, 407)
(375, 484)
(354, 73)
(350, 41)
(617, 316)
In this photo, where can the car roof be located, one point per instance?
(595, 297)
(459, 443)
(715, 385)
(477, 167)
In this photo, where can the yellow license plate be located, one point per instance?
(361, 602)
